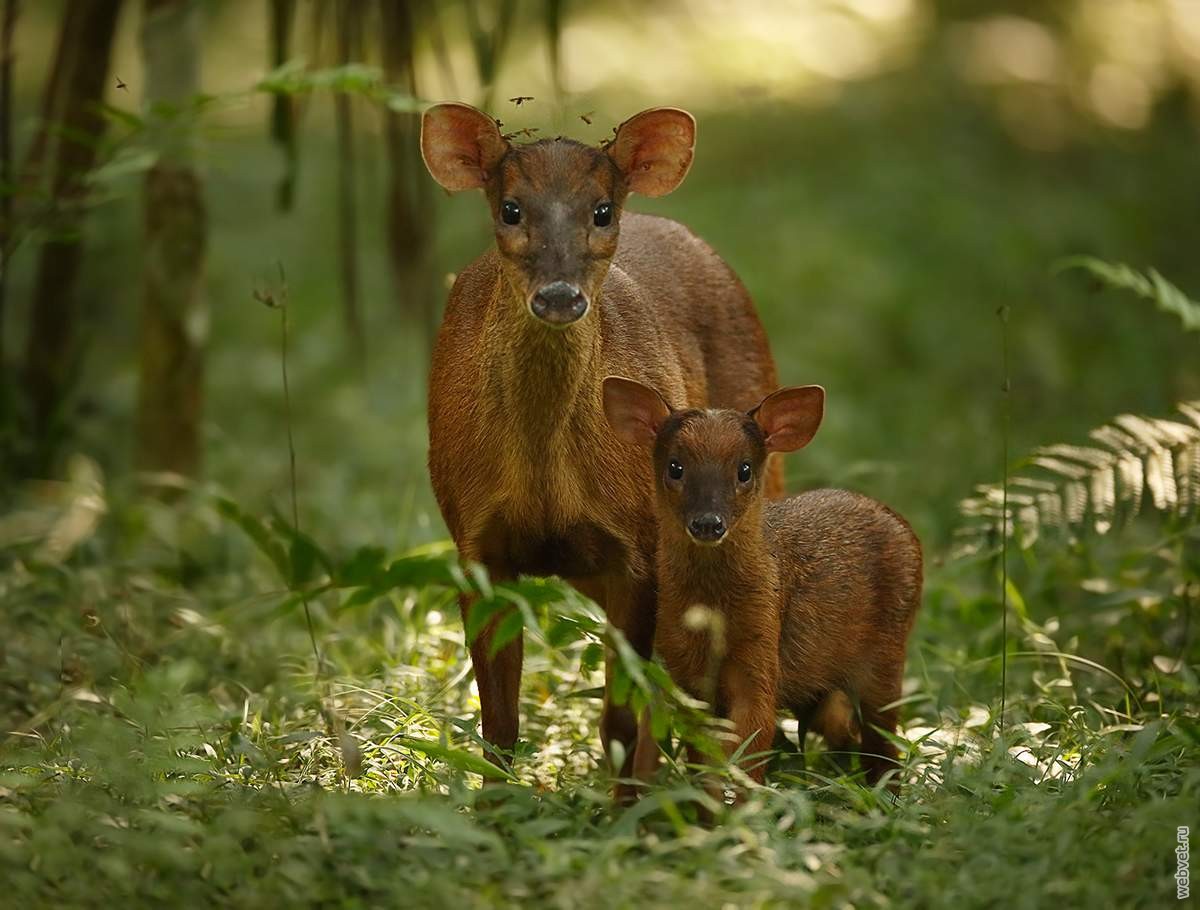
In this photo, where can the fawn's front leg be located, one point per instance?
(750, 692)
(749, 699)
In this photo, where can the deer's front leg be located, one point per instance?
(645, 756)
(751, 693)
(498, 678)
(630, 606)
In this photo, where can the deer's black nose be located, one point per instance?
(559, 303)
(709, 527)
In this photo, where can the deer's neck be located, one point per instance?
(544, 380)
(719, 577)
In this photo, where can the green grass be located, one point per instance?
(172, 741)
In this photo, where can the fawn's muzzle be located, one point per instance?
(559, 303)
(707, 528)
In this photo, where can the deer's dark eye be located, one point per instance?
(744, 473)
(674, 470)
(510, 212)
(602, 216)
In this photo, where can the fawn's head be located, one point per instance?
(556, 203)
(708, 465)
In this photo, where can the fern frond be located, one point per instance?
(1149, 285)
(1098, 487)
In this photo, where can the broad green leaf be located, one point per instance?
(479, 575)
(482, 612)
(120, 115)
(402, 103)
(660, 721)
(421, 571)
(592, 657)
(620, 682)
(267, 543)
(459, 759)
(508, 631)
(304, 556)
(365, 567)
(127, 162)
(1149, 285)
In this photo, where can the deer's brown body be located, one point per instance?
(804, 603)
(527, 473)
(814, 605)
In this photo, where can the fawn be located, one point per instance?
(813, 597)
(527, 474)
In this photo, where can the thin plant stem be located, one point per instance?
(1005, 420)
(287, 416)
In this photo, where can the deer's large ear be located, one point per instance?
(654, 150)
(634, 411)
(461, 145)
(789, 418)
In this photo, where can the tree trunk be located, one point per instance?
(79, 76)
(283, 115)
(489, 42)
(174, 312)
(6, 182)
(410, 209)
(349, 30)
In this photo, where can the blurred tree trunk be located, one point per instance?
(410, 209)
(349, 45)
(283, 114)
(6, 182)
(489, 41)
(78, 78)
(174, 313)
(552, 23)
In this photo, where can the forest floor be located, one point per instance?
(174, 745)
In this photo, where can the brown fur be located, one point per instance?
(818, 595)
(812, 598)
(527, 473)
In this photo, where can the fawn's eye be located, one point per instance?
(510, 212)
(744, 473)
(602, 216)
(674, 470)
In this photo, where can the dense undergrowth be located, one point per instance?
(171, 742)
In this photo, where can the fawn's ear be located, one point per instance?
(789, 418)
(461, 145)
(634, 411)
(654, 150)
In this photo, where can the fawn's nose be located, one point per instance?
(707, 528)
(559, 303)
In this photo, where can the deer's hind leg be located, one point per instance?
(879, 754)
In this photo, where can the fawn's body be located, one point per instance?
(527, 473)
(800, 631)
(811, 598)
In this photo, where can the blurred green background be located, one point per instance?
(201, 704)
(883, 175)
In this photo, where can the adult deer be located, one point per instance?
(529, 477)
